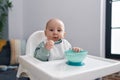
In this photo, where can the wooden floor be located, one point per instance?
(115, 76)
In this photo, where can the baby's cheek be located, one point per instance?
(62, 36)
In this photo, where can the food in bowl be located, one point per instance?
(75, 58)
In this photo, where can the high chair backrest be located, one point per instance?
(33, 42)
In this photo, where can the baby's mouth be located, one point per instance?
(55, 38)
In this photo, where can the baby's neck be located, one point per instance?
(59, 41)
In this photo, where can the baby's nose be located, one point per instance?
(55, 31)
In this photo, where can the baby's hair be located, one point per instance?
(54, 19)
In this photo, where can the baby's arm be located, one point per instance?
(41, 52)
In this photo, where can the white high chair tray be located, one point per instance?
(94, 67)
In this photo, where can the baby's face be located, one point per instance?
(54, 30)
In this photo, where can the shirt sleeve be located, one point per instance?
(41, 52)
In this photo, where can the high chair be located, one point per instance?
(32, 43)
(35, 69)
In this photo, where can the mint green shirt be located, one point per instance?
(57, 52)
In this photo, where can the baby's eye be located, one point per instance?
(51, 29)
(59, 30)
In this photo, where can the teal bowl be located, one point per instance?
(75, 58)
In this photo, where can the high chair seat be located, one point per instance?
(35, 69)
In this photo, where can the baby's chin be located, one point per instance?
(55, 39)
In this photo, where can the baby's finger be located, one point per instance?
(51, 42)
(49, 47)
(77, 50)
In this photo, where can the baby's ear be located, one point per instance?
(64, 33)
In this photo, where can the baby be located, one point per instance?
(55, 45)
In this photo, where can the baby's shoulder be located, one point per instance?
(65, 41)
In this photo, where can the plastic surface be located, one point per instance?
(75, 58)
(33, 41)
(94, 67)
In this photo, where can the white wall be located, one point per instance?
(82, 19)
(16, 20)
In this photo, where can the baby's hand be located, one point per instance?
(76, 49)
(49, 44)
